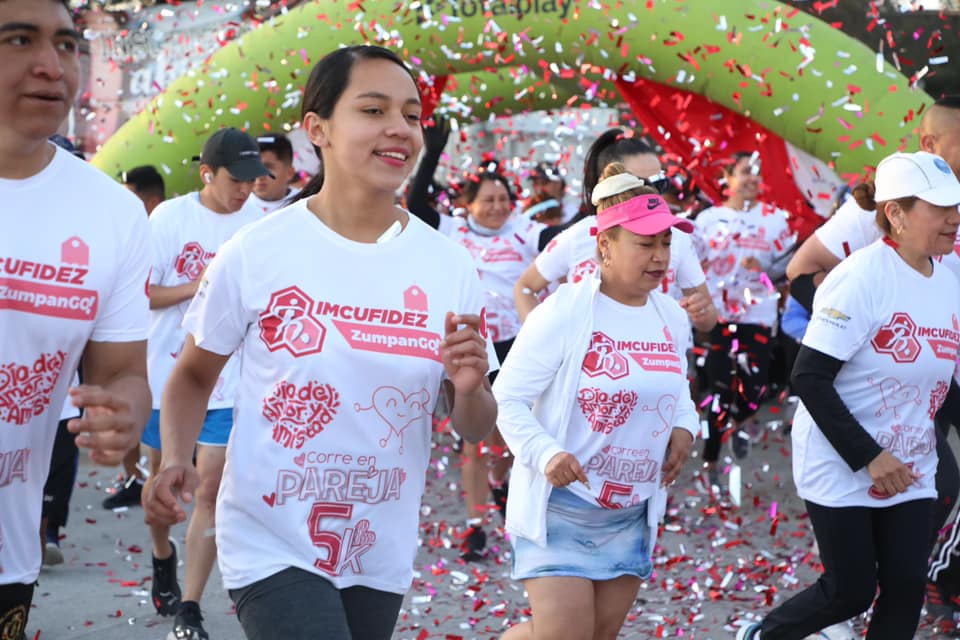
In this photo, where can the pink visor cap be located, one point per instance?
(645, 215)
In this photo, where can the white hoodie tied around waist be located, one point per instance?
(536, 392)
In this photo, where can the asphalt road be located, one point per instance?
(716, 564)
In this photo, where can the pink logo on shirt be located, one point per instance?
(757, 241)
(75, 251)
(605, 412)
(415, 299)
(398, 410)
(193, 259)
(14, 465)
(500, 250)
(298, 414)
(289, 323)
(603, 359)
(25, 388)
(937, 396)
(583, 270)
(897, 339)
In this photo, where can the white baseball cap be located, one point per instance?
(920, 175)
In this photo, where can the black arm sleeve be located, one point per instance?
(802, 289)
(812, 379)
(417, 196)
(950, 409)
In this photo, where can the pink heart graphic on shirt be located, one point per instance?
(270, 499)
(665, 408)
(299, 460)
(397, 409)
(606, 449)
(894, 395)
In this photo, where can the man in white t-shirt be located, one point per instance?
(272, 191)
(187, 233)
(74, 257)
(147, 183)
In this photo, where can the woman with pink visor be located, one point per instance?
(601, 362)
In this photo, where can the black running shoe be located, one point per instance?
(942, 610)
(474, 545)
(740, 444)
(188, 625)
(165, 591)
(500, 497)
(126, 495)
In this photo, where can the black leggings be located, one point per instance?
(738, 377)
(62, 476)
(298, 604)
(862, 548)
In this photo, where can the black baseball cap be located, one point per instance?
(236, 151)
(546, 171)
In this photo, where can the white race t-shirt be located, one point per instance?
(68, 411)
(572, 255)
(631, 383)
(500, 260)
(74, 257)
(897, 333)
(725, 238)
(849, 229)
(340, 370)
(186, 237)
(269, 206)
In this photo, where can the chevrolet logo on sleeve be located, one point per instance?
(834, 314)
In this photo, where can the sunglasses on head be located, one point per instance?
(658, 181)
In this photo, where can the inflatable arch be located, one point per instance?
(796, 76)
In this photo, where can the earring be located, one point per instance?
(899, 229)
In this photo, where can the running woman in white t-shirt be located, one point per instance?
(273, 191)
(850, 229)
(352, 316)
(595, 403)
(502, 244)
(744, 245)
(875, 368)
(188, 231)
(74, 257)
(572, 255)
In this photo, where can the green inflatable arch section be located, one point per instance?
(794, 74)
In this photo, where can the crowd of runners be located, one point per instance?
(280, 350)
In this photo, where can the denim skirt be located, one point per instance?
(585, 540)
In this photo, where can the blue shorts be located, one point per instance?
(215, 432)
(585, 540)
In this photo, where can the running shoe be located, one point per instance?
(839, 631)
(942, 609)
(740, 444)
(125, 495)
(52, 555)
(474, 545)
(188, 624)
(749, 632)
(165, 591)
(754, 430)
(499, 494)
